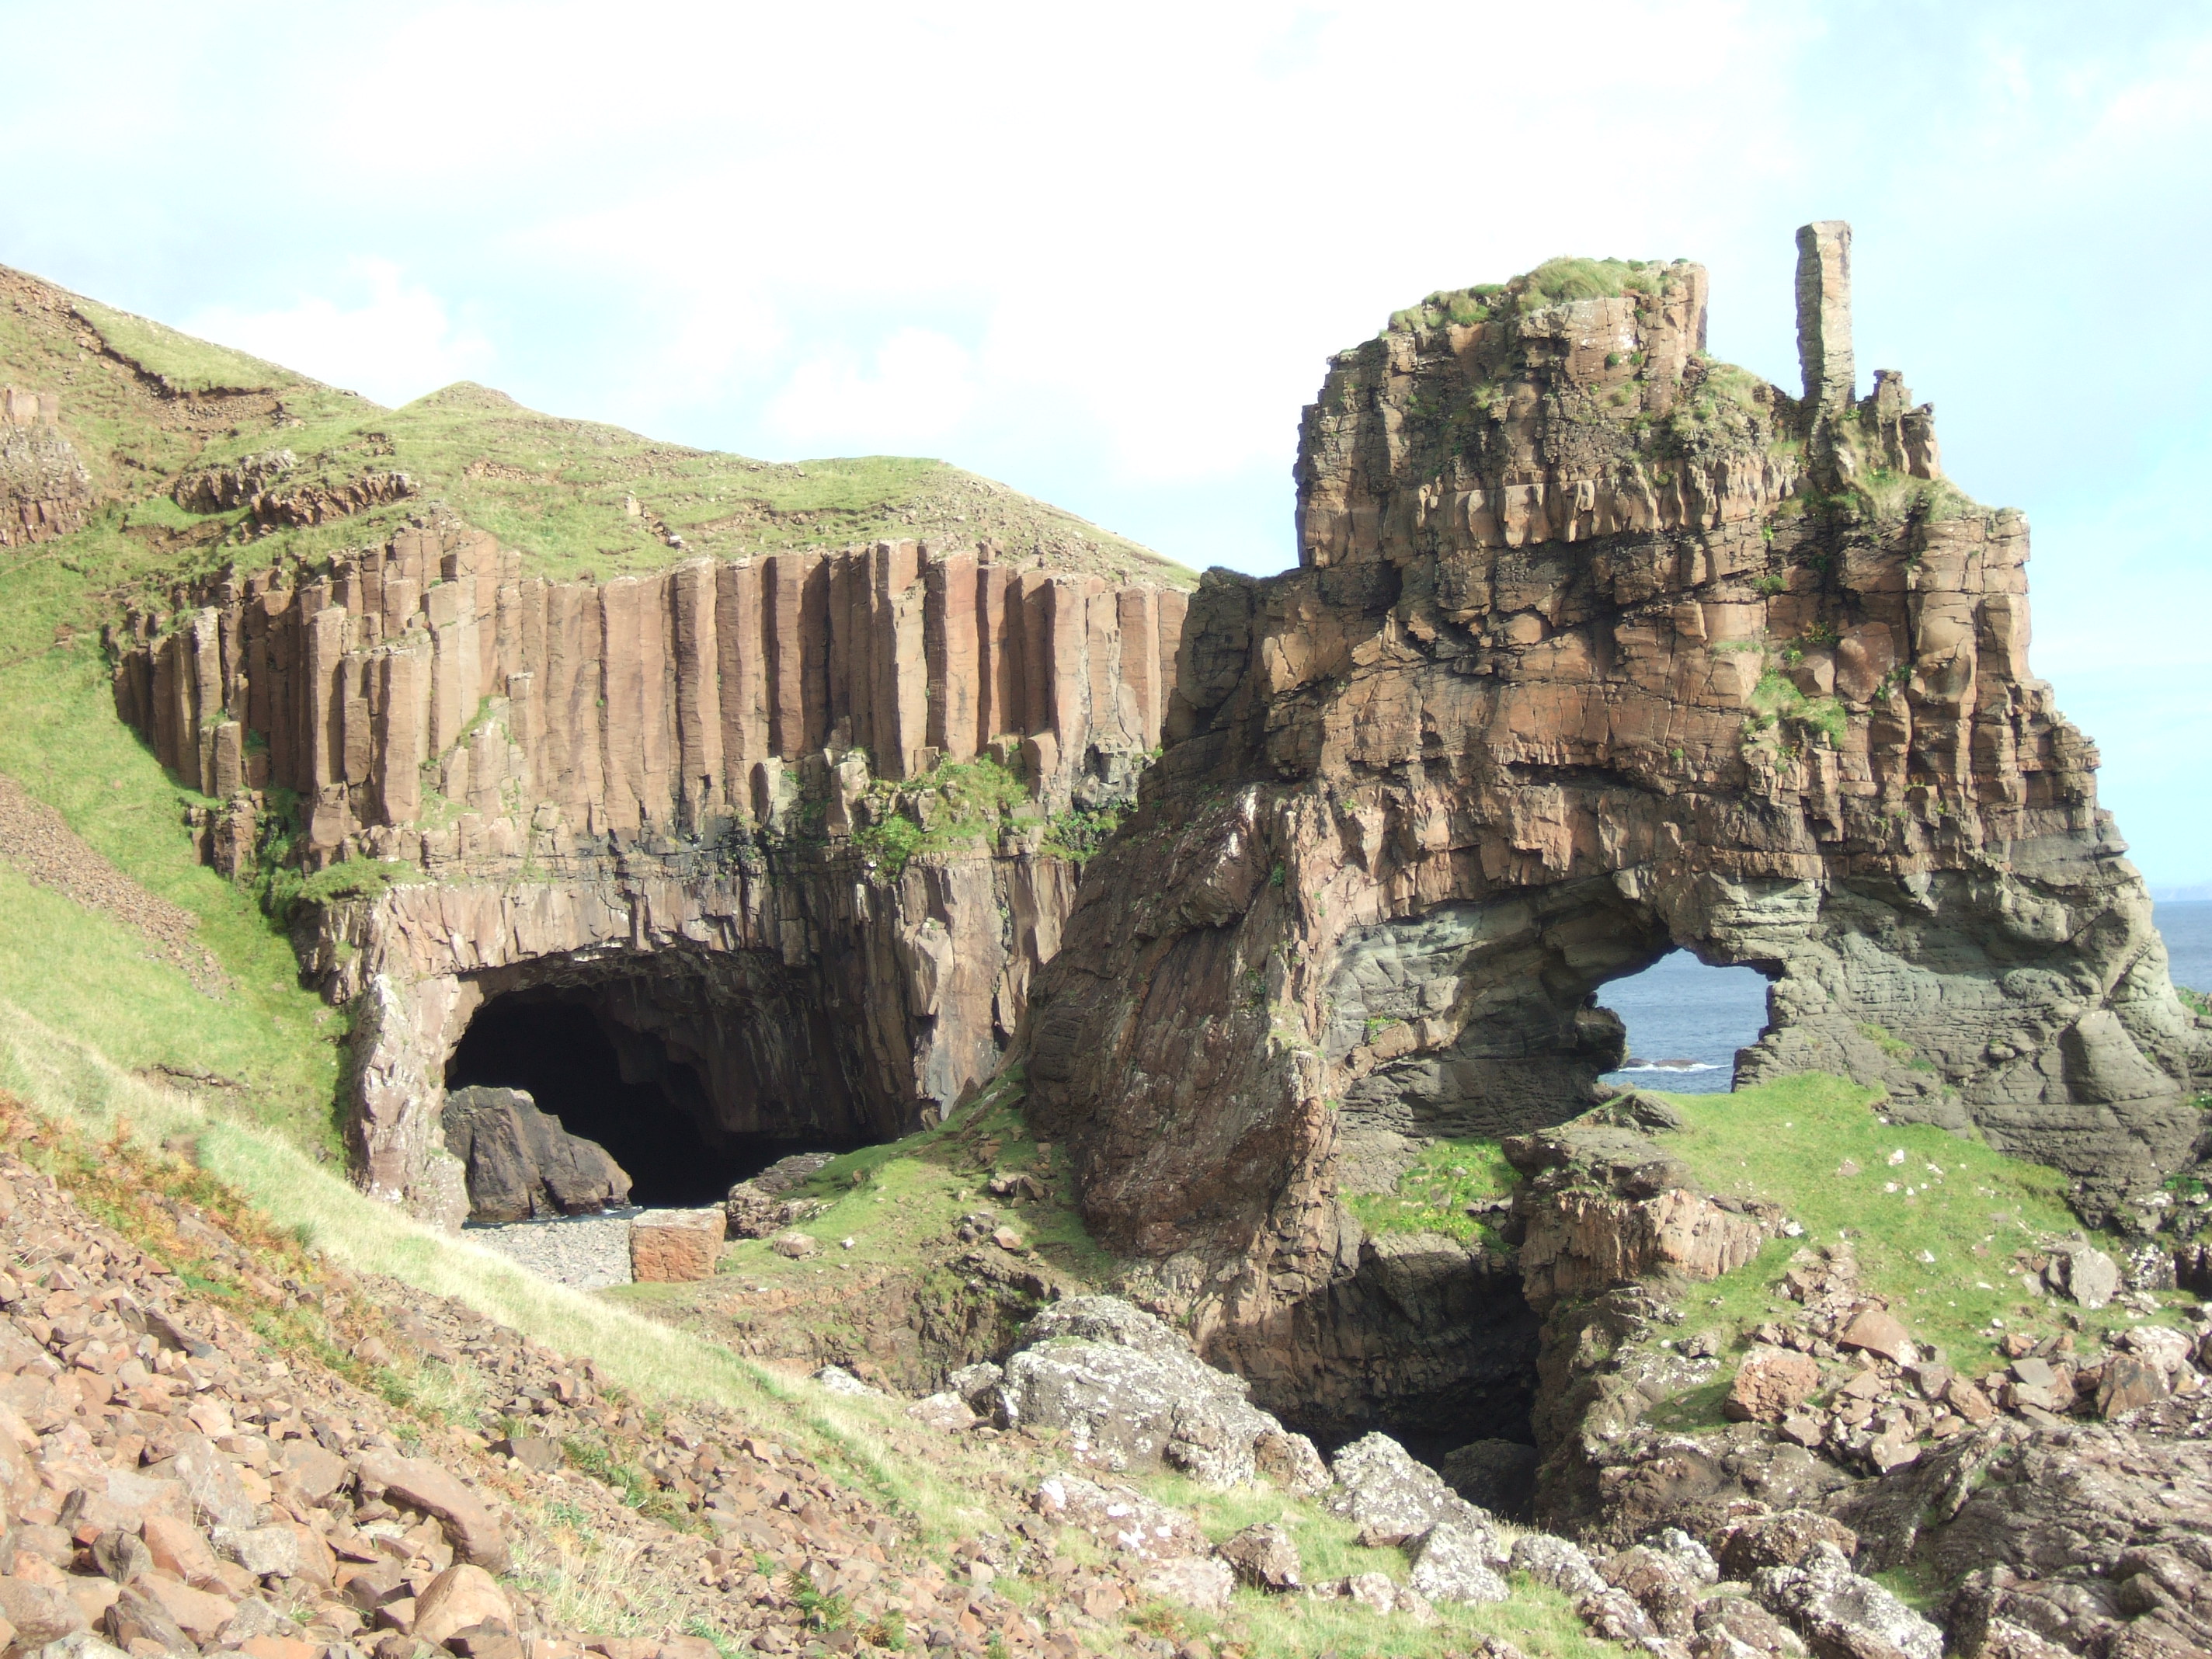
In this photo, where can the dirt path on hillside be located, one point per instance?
(35, 840)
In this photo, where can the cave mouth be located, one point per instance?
(1686, 1020)
(623, 1088)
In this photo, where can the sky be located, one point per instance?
(1102, 253)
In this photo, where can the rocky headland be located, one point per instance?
(1185, 1217)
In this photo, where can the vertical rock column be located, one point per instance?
(1824, 315)
(698, 692)
(949, 642)
(900, 679)
(739, 647)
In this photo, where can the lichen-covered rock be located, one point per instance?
(1556, 1563)
(1129, 1393)
(1118, 1517)
(520, 1163)
(1843, 1614)
(1390, 1496)
(1458, 1561)
(762, 1204)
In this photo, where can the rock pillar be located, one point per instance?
(1824, 314)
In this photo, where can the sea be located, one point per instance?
(1686, 1021)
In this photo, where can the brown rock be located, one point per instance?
(1262, 1556)
(201, 1615)
(422, 1484)
(672, 1246)
(2128, 1384)
(180, 1548)
(1770, 1384)
(461, 1596)
(39, 1613)
(1877, 1331)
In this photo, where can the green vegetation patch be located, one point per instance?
(1934, 1219)
(1776, 698)
(1434, 1194)
(185, 363)
(965, 801)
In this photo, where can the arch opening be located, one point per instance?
(1686, 1020)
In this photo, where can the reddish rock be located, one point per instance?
(1877, 1331)
(461, 1596)
(1770, 1384)
(671, 1246)
(474, 1533)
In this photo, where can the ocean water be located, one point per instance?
(1679, 1009)
(2187, 927)
(1685, 1021)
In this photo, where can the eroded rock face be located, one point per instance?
(1597, 649)
(671, 798)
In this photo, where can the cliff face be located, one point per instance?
(1597, 649)
(44, 490)
(669, 801)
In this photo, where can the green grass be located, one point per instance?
(974, 798)
(1776, 698)
(1433, 1195)
(91, 977)
(1556, 282)
(897, 1199)
(186, 363)
(1939, 1245)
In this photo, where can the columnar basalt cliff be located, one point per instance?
(641, 796)
(1597, 649)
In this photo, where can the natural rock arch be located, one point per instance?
(1597, 647)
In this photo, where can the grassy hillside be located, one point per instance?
(143, 405)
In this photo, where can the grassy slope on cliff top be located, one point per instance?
(1934, 1230)
(142, 404)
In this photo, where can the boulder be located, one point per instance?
(1291, 1462)
(1557, 1564)
(520, 1163)
(671, 1246)
(1770, 1384)
(1842, 1614)
(2083, 1272)
(420, 1484)
(762, 1204)
(461, 1596)
(1191, 1581)
(1129, 1393)
(1458, 1561)
(1263, 1557)
(1875, 1330)
(1390, 1496)
(1783, 1538)
(1118, 1518)
(948, 1412)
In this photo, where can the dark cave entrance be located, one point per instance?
(637, 1095)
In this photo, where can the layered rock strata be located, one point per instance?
(1597, 649)
(640, 795)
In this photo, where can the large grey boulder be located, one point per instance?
(764, 1204)
(1129, 1393)
(1391, 1496)
(1842, 1614)
(521, 1163)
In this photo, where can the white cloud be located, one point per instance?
(394, 345)
(918, 390)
